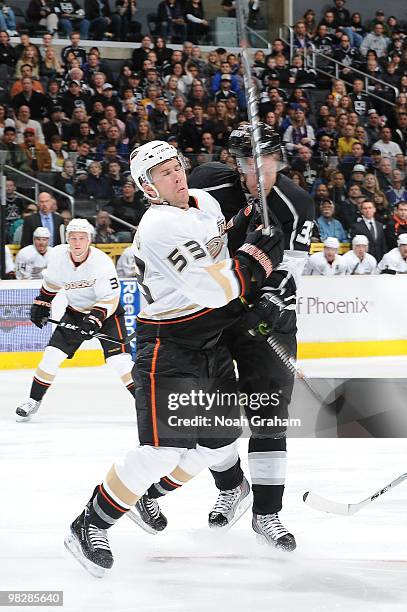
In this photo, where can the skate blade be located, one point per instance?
(243, 507)
(263, 541)
(135, 517)
(72, 545)
(23, 419)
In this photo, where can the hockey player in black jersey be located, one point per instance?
(260, 369)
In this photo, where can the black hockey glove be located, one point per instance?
(241, 220)
(40, 312)
(263, 315)
(261, 253)
(90, 325)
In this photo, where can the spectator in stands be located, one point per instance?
(397, 225)
(384, 173)
(398, 191)
(96, 186)
(141, 53)
(346, 142)
(357, 157)
(71, 17)
(51, 66)
(400, 132)
(358, 260)
(32, 260)
(15, 155)
(101, 19)
(13, 208)
(75, 48)
(67, 181)
(370, 186)
(338, 188)
(209, 148)
(299, 134)
(197, 25)
(74, 98)
(104, 232)
(375, 41)
(171, 21)
(41, 12)
(301, 39)
(44, 218)
(129, 207)
(192, 130)
(326, 262)
(228, 7)
(36, 102)
(349, 209)
(56, 125)
(368, 226)
(395, 261)
(386, 145)
(7, 53)
(303, 162)
(57, 153)
(131, 28)
(8, 20)
(116, 178)
(328, 225)
(379, 19)
(16, 228)
(37, 154)
(4, 120)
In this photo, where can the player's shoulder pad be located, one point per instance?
(161, 224)
(100, 256)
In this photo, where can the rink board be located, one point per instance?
(352, 316)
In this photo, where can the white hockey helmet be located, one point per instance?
(402, 240)
(41, 232)
(79, 225)
(331, 243)
(360, 239)
(143, 159)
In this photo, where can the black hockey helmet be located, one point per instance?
(240, 143)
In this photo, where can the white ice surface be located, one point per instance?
(48, 469)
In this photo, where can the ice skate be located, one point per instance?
(230, 506)
(270, 529)
(27, 409)
(147, 514)
(89, 545)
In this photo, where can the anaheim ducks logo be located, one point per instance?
(214, 246)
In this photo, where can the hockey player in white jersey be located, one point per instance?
(327, 262)
(395, 261)
(92, 290)
(33, 259)
(126, 265)
(358, 260)
(192, 290)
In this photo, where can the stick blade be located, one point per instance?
(317, 502)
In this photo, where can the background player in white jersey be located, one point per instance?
(358, 260)
(92, 290)
(192, 291)
(126, 265)
(327, 262)
(260, 369)
(33, 259)
(395, 261)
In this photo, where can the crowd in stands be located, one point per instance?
(68, 113)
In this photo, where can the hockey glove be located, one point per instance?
(90, 325)
(40, 312)
(261, 253)
(263, 315)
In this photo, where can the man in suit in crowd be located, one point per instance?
(368, 226)
(44, 218)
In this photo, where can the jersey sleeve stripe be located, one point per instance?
(240, 277)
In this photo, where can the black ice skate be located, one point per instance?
(89, 545)
(148, 516)
(230, 506)
(270, 529)
(27, 409)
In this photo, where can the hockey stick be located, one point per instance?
(74, 328)
(326, 505)
(242, 9)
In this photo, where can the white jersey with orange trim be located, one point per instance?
(126, 266)
(317, 264)
(368, 265)
(182, 260)
(30, 263)
(92, 284)
(393, 262)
